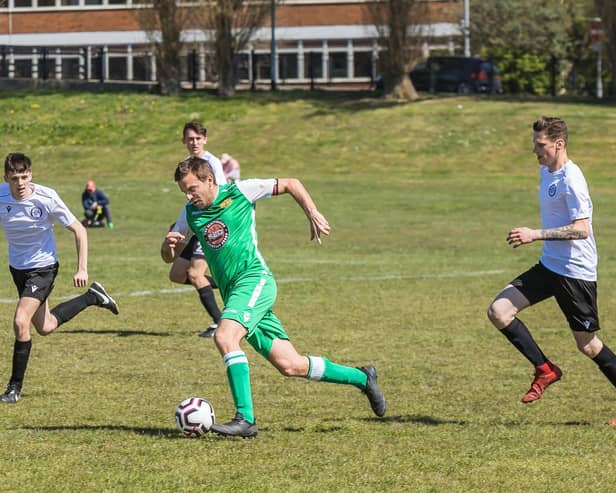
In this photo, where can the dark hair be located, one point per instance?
(195, 126)
(195, 165)
(553, 127)
(16, 162)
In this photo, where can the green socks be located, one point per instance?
(321, 369)
(238, 374)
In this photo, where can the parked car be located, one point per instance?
(457, 74)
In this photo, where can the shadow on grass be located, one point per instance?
(418, 419)
(154, 432)
(167, 433)
(118, 332)
(434, 421)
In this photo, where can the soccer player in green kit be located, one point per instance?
(223, 218)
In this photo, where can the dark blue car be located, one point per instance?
(463, 75)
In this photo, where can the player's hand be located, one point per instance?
(80, 279)
(318, 225)
(521, 236)
(173, 238)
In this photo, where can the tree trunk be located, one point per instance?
(401, 88)
(225, 55)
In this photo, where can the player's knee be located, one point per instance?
(196, 276)
(588, 344)
(21, 324)
(499, 316)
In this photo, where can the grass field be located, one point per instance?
(420, 198)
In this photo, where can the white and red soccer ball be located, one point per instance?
(194, 416)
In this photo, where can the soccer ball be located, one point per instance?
(194, 416)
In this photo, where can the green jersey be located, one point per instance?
(227, 231)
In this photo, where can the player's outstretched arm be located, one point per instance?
(80, 279)
(172, 246)
(577, 230)
(318, 223)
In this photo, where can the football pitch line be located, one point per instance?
(288, 280)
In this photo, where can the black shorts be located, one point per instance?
(35, 283)
(192, 249)
(576, 298)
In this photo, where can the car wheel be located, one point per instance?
(464, 88)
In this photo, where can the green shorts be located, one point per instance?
(250, 303)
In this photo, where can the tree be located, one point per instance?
(399, 40)
(230, 24)
(607, 11)
(163, 23)
(523, 36)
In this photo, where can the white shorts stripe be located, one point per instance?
(317, 368)
(257, 292)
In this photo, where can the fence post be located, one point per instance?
(253, 70)
(193, 68)
(101, 65)
(553, 61)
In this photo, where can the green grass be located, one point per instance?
(420, 198)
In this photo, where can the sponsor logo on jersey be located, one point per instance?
(552, 190)
(36, 212)
(226, 203)
(246, 316)
(215, 234)
(8, 208)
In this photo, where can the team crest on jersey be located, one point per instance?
(36, 212)
(552, 190)
(215, 234)
(226, 203)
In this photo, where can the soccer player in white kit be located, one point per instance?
(27, 213)
(567, 268)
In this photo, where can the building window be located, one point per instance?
(23, 3)
(70, 68)
(313, 65)
(117, 68)
(141, 68)
(288, 66)
(46, 65)
(242, 67)
(263, 66)
(362, 64)
(23, 68)
(338, 65)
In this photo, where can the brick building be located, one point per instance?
(318, 41)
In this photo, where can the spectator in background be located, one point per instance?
(95, 207)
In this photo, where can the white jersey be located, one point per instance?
(563, 198)
(216, 165)
(28, 225)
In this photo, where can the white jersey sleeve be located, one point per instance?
(181, 226)
(255, 189)
(216, 165)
